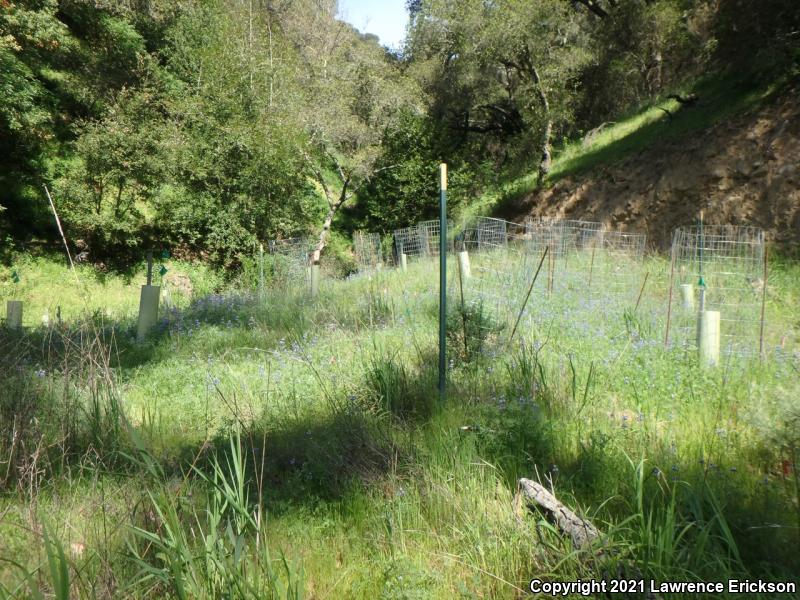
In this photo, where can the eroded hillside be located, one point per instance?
(745, 171)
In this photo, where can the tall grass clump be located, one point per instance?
(216, 546)
(471, 330)
(399, 387)
(59, 404)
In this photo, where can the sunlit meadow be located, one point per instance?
(275, 445)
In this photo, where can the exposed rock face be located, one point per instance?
(745, 171)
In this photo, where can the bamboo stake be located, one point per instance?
(61, 231)
(442, 281)
(527, 296)
(641, 291)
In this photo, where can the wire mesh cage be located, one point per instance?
(368, 251)
(562, 237)
(502, 266)
(719, 268)
(608, 265)
(600, 280)
(488, 233)
(407, 241)
(290, 260)
(420, 240)
(491, 232)
(583, 258)
(428, 233)
(586, 274)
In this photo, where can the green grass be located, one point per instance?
(720, 98)
(47, 286)
(294, 448)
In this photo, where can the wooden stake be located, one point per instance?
(527, 296)
(641, 291)
(763, 306)
(61, 231)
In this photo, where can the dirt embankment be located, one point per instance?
(745, 171)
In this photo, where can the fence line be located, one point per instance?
(590, 271)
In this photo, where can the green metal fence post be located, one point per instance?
(442, 280)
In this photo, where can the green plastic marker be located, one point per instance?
(14, 308)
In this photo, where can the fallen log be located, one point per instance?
(581, 531)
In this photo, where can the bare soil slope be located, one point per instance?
(744, 171)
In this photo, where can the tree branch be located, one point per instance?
(594, 7)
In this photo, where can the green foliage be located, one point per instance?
(226, 561)
(398, 388)
(339, 258)
(642, 49)
(469, 331)
(213, 126)
(267, 443)
(148, 151)
(760, 38)
(117, 167)
(405, 187)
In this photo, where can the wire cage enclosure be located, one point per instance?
(368, 251)
(407, 241)
(491, 232)
(420, 240)
(719, 268)
(487, 233)
(586, 274)
(290, 260)
(562, 237)
(429, 232)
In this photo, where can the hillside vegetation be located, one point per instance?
(283, 431)
(210, 126)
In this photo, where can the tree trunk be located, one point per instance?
(546, 159)
(595, 8)
(323, 236)
(344, 196)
